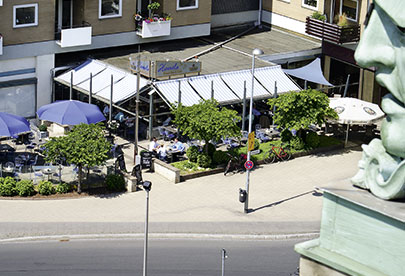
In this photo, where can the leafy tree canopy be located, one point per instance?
(206, 121)
(298, 110)
(84, 145)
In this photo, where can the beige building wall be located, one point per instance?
(292, 9)
(125, 23)
(44, 31)
(188, 17)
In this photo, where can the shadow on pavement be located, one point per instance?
(313, 192)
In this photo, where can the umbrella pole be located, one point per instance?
(347, 135)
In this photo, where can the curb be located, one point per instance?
(65, 238)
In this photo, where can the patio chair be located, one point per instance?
(137, 172)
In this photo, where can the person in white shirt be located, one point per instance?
(162, 152)
(154, 146)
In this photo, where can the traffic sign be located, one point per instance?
(251, 141)
(249, 164)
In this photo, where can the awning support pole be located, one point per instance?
(305, 85)
(138, 81)
(244, 106)
(347, 134)
(179, 101)
(71, 86)
(212, 90)
(91, 87)
(151, 117)
(111, 98)
(347, 86)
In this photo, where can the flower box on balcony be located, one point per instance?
(77, 36)
(155, 28)
(332, 32)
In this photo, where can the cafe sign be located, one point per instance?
(172, 68)
(159, 69)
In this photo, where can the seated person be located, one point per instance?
(154, 146)
(178, 146)
(162, 152)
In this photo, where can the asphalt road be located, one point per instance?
(166, 257)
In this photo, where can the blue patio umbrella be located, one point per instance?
(12, 125)
(71, 112)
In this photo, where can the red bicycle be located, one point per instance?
(277, 153)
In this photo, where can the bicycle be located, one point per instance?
(277, 153)
(235, 163)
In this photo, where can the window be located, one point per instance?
(19, 100)
(350, 8)
(25, 15)
(187, 4)
(110, 8)
(310, 4)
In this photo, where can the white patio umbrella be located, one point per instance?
(353, 111)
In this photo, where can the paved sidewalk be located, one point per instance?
(281, 199)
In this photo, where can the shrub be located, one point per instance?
(203, 160)
(45, 188)
(257, 144)
(297, 143)
(192, 153)
(219, 157)
(312, 140)
(25, 188)
(286, 135)
(317, 15)
(211, 149)
(115, 183)
(62, 188)
(42, 127)
(7, 186)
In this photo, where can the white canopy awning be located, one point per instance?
(124, 83)
(311, 72)
(228, 87)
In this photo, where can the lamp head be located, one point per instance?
(147, 185)
(257, 52)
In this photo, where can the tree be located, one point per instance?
(206, 121)
(84, 145)
(298, 110)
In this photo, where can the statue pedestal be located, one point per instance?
(360, 235)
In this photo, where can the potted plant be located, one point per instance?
(153, 7)
(43, 130)
(318, 16)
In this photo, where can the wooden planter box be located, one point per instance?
(155, 29)
(332, 32)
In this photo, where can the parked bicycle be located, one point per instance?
(277, 154)
(235, 163)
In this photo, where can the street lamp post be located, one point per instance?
(255, 53)
(147, 185)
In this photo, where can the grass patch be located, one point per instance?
(187, 167)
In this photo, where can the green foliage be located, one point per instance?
(317, 15)
(298, 110)
(84, 145)
(286, 135)
(257, 144)
(219, 157)
(297, 143)
(312, 140)
(25, 188)
(115, 183)
(326, 141)
(7, 186)
(42, 127)
(46, 188)
(206, 121)
(153, 6)
(186, 165)
(62, 188)
(342, 20)
(203, 160)
(192, 153)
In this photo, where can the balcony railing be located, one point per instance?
(154, 29)
(1, 44)
(75, 36)
(332, 32)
